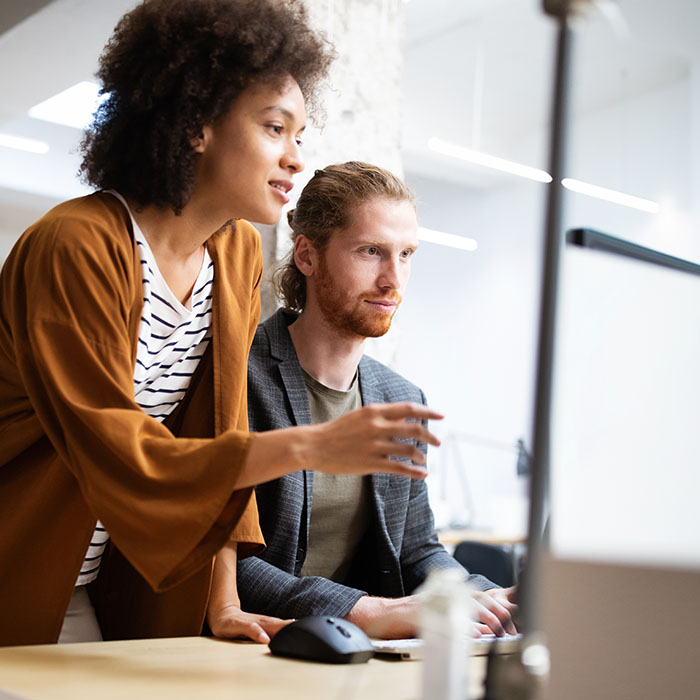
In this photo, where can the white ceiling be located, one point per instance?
(510, 45)
(49, 51)
(445, 42)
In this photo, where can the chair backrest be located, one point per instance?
(490, 560)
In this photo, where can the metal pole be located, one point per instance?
(523, 677)
(539, 480)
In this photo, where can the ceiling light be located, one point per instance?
(508, 166)
(614, 196)
(448, 239)
(488, 161)
(73, 107)
(21, 144)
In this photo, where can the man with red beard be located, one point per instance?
(341, 545)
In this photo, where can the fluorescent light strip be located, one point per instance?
(608, 195)
(447, 239)
(478, 158)
(19, 143)
(73, 107)
(508, 166)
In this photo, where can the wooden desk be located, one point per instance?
(454, 537)
(197, 668)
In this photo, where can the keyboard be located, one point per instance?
(479, 646)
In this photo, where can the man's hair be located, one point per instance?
(325, 206)
(174, 66)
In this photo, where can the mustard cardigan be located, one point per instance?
(75, 447)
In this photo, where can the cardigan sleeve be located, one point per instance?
(168, 503)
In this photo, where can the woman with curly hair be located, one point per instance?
(125, 322)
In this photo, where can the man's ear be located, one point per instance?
(305, 255)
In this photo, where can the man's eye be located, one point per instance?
(406, 253)
(372, 250)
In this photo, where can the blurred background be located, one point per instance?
(455, 96)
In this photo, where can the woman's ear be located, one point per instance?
(305, 255)
(199, 142)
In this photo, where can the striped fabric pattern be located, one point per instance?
(91, 563)
(172, 339)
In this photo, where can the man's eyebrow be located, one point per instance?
(383, 244)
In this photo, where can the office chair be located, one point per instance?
(489, 560)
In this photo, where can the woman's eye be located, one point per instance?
(277, 128)
(300, 142)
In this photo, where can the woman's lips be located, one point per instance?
(282, 187)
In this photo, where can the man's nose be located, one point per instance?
(390, 277)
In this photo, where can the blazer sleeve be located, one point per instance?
(421, 550)
(168, 503)
(265, 589)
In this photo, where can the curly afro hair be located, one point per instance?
(173, 66)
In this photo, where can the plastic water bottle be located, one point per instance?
(445, 623)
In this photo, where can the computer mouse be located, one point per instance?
(323, 638)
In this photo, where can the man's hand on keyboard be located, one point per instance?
(494, 611)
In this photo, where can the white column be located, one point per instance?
(362, 101)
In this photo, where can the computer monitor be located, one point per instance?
(625, 453)
(621, 580)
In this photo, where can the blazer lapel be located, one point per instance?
(379, 482)
(282, 348)
(293, 381)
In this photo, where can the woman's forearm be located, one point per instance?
(364, 441)
(224, 589)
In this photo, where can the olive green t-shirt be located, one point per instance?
(340, 507)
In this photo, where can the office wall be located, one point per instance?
(17, 211)
(468, 325)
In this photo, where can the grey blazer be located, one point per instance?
(401, 545)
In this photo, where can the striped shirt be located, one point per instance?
(172, 339)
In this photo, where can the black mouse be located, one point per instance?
(323, 638)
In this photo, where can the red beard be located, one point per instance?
(352, 316)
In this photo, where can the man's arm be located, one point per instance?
(266, 589)
(422, 552)
(421, 549)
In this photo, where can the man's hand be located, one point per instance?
(494, 611)
(232, 623)
(397, 618)
(386, 618)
